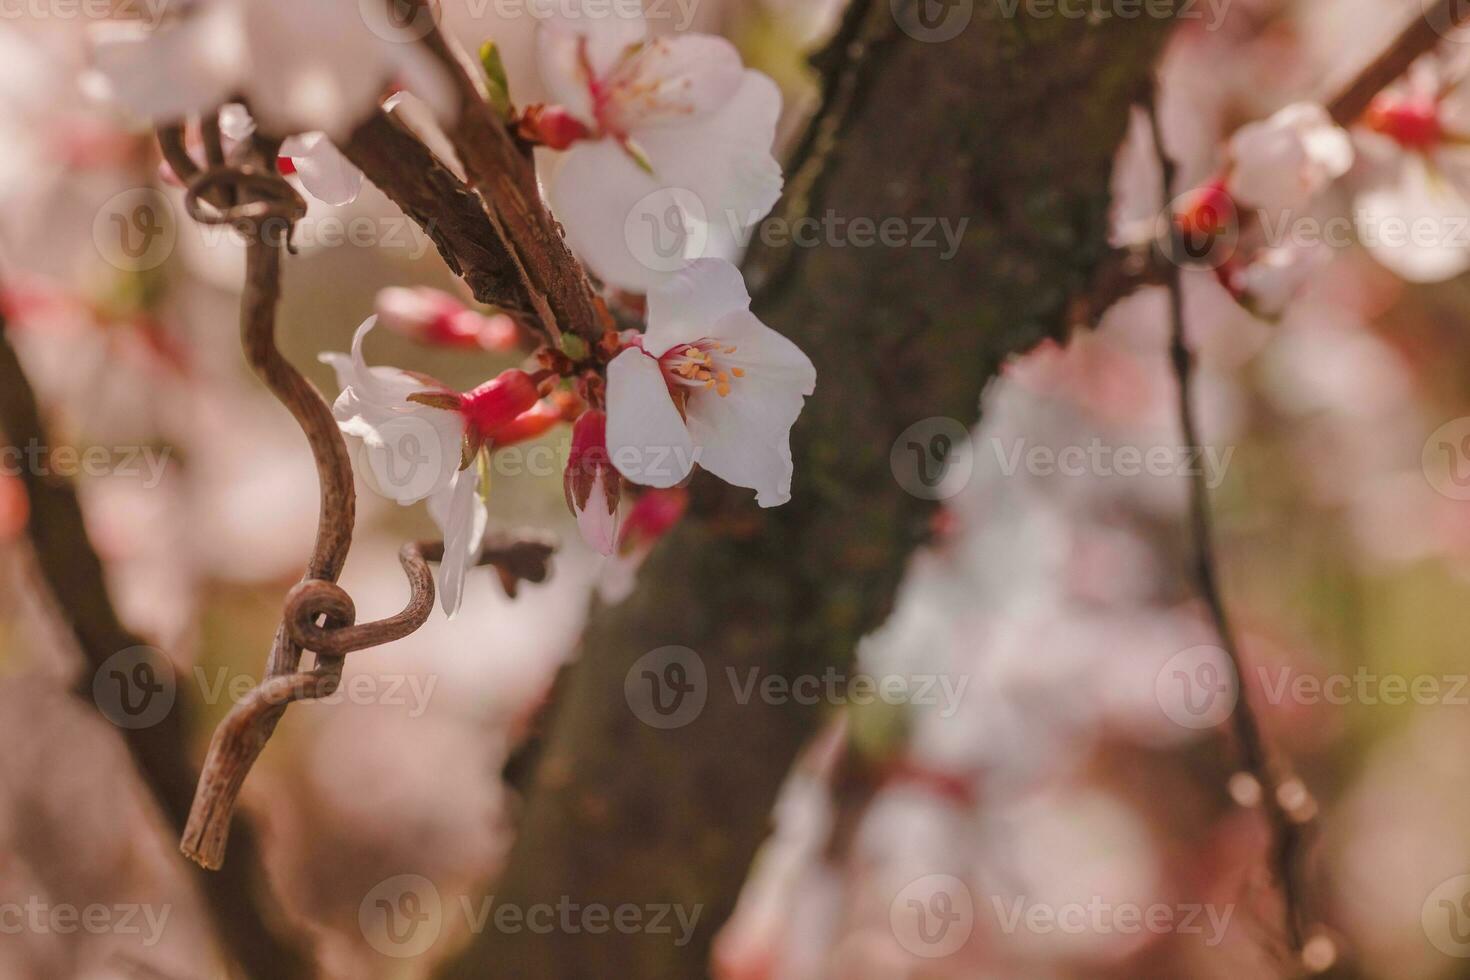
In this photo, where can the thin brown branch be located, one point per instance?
(73, 573)
(1287, 805)
(1426, 30)
(452, 215)
(503, 171)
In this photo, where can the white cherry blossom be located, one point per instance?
(302, 65)
(668, 145)
(1282, 162)
(708, 383)
(324, 172)
(419, 442)
(1415, 143)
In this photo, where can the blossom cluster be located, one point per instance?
(644, 130)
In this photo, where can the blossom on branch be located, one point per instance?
(1282, 162)
(667, 145)
(708, 383)
(421, 441)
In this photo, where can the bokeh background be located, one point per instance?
(1065, 771)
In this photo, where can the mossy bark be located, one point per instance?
(1010, 127)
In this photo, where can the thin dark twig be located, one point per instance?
(1420, 35)
(1288, 807)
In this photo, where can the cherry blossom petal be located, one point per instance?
(178, 69)
(683, 309)
(744, 435)
(326, 174)
(1405, 219)
(461, 516)
(673, 80)
(598, 525)
(712, 181)
(1282, 161)
(412, 450)
(314, 69)
(646, 437)
(725, 160)
(608, 34)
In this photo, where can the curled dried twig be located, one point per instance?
(255, 199)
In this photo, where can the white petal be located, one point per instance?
(598, 525)
(724, 159)
(624, 230)
(409, 451)
(712, 180)
(744, 436)
(461, 517)
(1282, 161)
(608, 34)
(324, 171)
(686, 308)
(646, 437)
(673, 80)
(179, 69)
(314, 69)
(1407, 217)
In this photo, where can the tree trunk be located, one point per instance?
(1012, 125)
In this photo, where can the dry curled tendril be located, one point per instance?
(248, 193)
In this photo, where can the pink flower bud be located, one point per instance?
(436, 318)
(495, 404)
(592, 486)
(552, 126)
(654, 514)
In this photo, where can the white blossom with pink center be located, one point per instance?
(1282, 162)
(668, 145)
(708, 383)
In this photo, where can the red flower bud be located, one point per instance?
(552, 126)
(495, 404)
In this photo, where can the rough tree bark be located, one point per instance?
(1012, 125)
